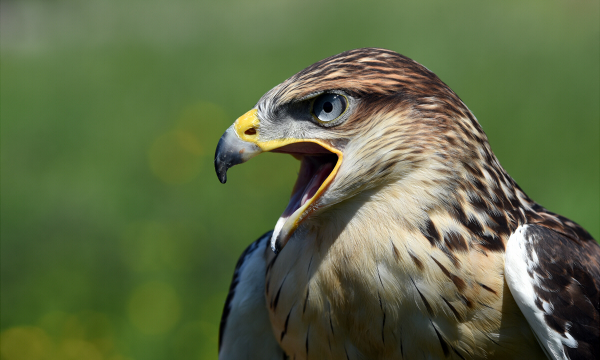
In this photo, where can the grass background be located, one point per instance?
(117, 240)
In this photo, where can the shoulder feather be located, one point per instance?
(555, 281)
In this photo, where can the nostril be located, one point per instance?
(251, 131)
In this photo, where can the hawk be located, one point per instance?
(404, 238)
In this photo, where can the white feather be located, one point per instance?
(517, 265)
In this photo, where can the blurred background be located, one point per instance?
(117, 240)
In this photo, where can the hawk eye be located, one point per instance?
(328, 107)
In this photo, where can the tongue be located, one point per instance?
(309, 181)
(318, 178)
(310, 178)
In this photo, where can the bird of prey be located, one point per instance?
(404, 238)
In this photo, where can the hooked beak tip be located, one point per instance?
(222, 175)
(231, 151)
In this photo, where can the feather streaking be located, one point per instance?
(400, 253)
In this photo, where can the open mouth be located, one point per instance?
(320, 161)
(318, 166)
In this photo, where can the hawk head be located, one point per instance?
(358, 122)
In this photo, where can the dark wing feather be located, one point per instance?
(245, 330)
(555, 280)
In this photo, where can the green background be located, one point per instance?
(117, 240)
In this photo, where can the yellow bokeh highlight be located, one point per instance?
(118, 357)
(176, 156)
(25, 343)
(200, 119)
(75, 349)
(61, 336)
(154, 308)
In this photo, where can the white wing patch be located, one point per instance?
(520, 264)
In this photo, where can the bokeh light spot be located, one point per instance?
(54, 322)
(154, 308)
(118, 357)
(75, 349)
(175, 157)
(200, 119)
(25, 343)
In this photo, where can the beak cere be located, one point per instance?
(319, 162)
(237, 145)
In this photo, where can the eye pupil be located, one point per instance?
(327, 107)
